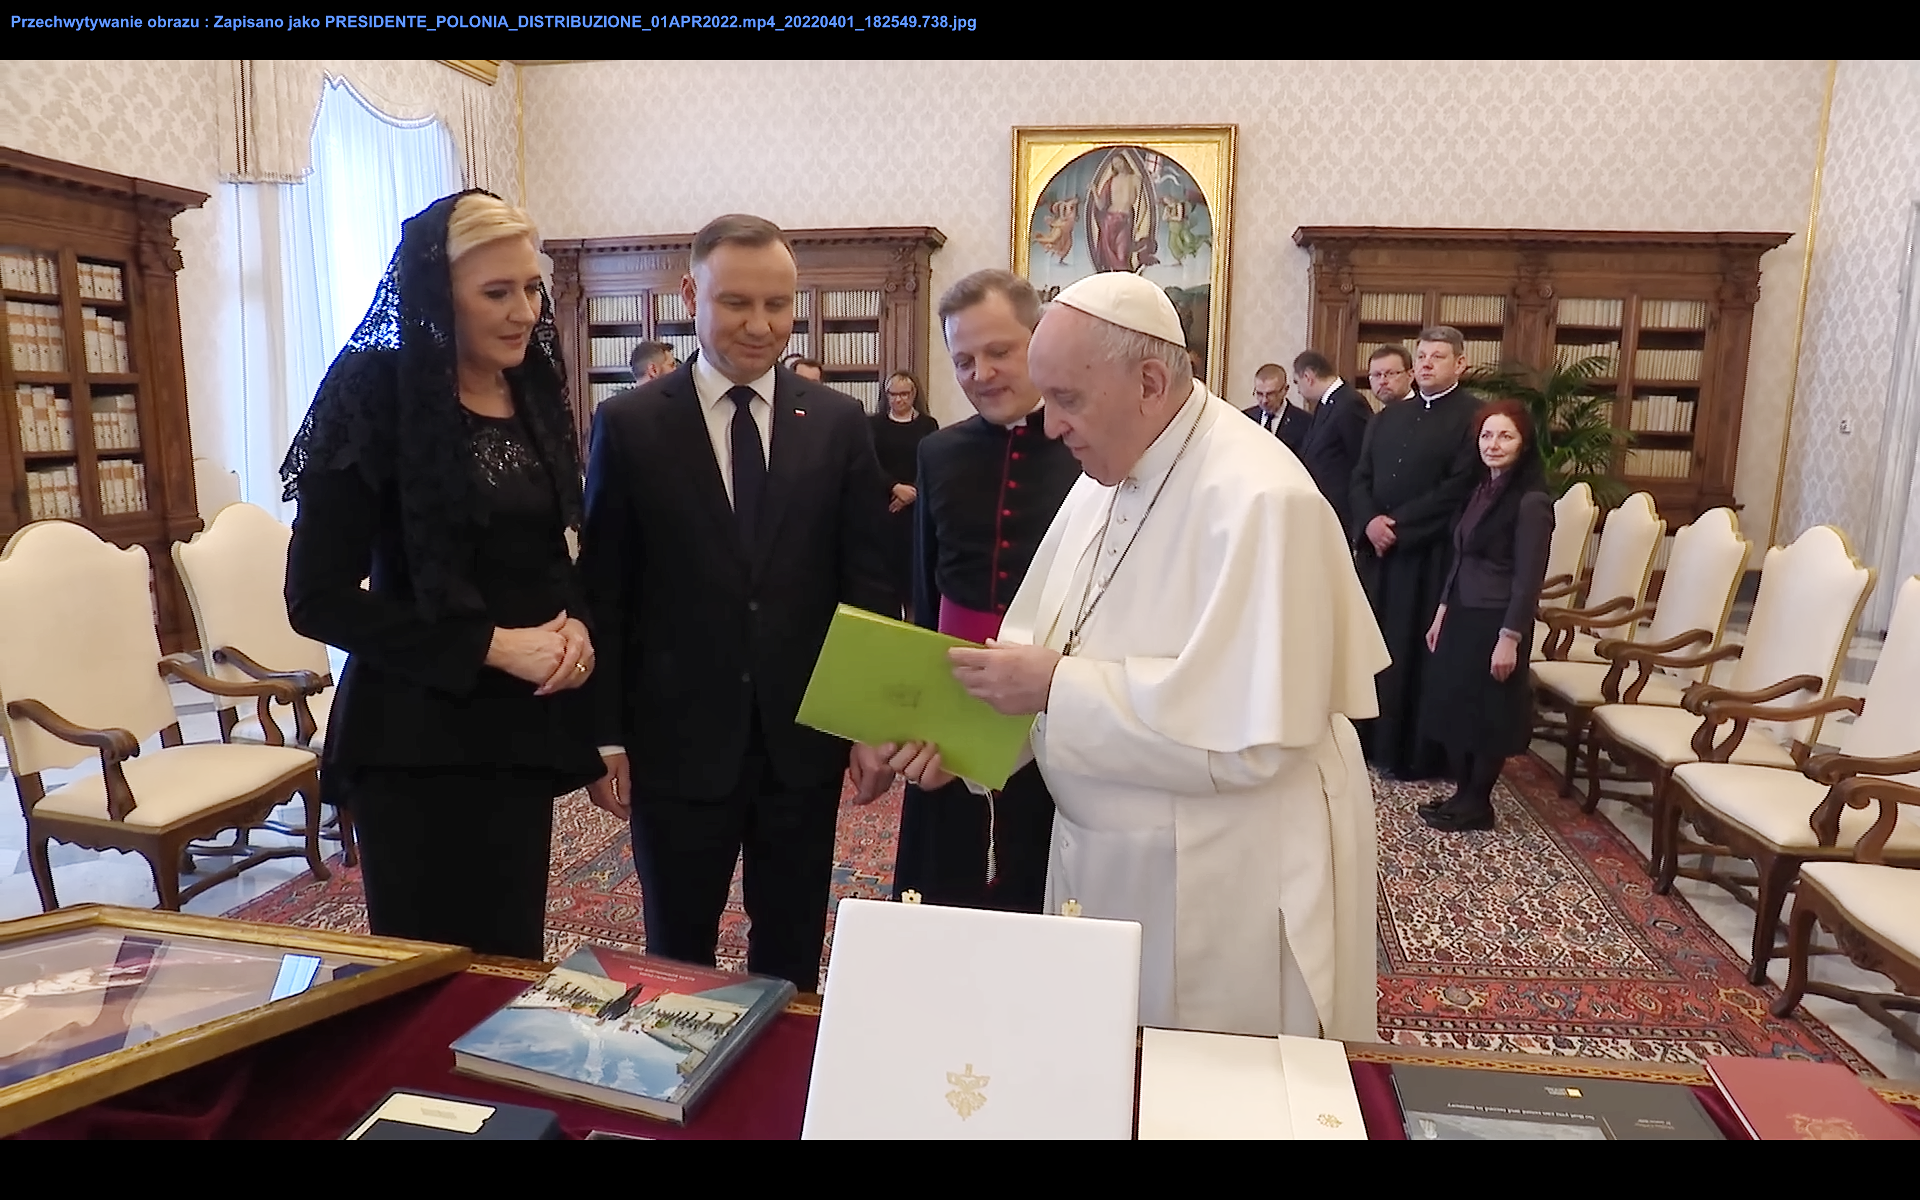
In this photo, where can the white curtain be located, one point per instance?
(1893, 545)
(312, 254)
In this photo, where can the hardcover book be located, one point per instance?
(611, 1027)
(879, 681)
(404, 1116)
(1462, 1104)
(1784, 1099)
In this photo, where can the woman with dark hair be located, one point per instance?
(438, 462)
(897, 432)
(1477, 699)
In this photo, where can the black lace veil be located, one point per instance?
(390, 408)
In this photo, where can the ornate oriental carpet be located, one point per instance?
(1541, 937)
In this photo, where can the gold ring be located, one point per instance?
(580, 668)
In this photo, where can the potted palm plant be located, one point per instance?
(1573, 417)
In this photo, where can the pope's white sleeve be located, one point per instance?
(1092, 730)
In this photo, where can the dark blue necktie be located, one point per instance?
(749, 465)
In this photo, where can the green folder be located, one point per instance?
(879, 680)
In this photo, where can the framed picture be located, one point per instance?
(95, 1000)
(1155, 199)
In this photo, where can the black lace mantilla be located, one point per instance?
(390, 407)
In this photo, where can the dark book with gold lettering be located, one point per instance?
(1462, 1104)
(1788, 1099)
(611, 1027)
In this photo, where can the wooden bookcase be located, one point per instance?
(93, 395)
(1673, 312)
(863, 306)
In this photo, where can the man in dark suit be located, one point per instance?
(1271, 408)
(1334, 431)
(730, 507)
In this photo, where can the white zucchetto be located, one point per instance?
(1128, 300)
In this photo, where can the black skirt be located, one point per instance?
(1464, 708)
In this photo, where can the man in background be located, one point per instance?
(1416, 467)
(810, 368)
(1335, 429)
(1272, 410)
(989, 488)
(1390, 371)
(651, 360)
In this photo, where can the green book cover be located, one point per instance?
(879, 680)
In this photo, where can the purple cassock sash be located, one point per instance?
(966, 623)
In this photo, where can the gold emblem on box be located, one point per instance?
(1825, 1129)
(1329, 1120)
(966, 1097)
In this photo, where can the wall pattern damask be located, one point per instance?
(1871, 178)
(157, 120)
(660, 147)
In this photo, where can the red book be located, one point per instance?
(1784, 1099)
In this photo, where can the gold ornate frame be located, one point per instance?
(405, 965)
(1206, 152)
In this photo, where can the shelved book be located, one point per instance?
(1783, 1099)
(634, 1033)
(1460, 1104)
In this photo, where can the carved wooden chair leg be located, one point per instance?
(1776, 875)
(1576, 727)
(166, 881)
(349, 845)
(310, 793)
(42, 870)
(1799, 942)
(1593, 774)
(1666, 838)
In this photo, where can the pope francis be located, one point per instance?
(1194, 641)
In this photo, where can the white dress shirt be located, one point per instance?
(712, 387)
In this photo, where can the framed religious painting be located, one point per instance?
(95, 1000)
(1153, 199)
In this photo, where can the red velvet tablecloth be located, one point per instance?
(316, 1083)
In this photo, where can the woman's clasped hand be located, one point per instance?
(554, 657)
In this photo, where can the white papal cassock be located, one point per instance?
(1197, 744)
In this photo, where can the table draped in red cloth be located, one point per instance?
(315, 1083)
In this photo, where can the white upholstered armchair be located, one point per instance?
(82, 677)
(234, 573)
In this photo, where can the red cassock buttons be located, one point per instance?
(1003, 574)
(1006, 545)
(1006, 512)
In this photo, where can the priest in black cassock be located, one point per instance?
(988, 489)
(1415, 469)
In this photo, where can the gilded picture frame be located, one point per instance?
(97, 1000)
(1156, 199)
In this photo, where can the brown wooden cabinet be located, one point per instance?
(862, 309)
(93, 394)
(1672, 312)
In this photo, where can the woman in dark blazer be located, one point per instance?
(1477, 700)
(437, 462)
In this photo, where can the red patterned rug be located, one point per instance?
(1544, 936)
(1540, 937)
(594, 895)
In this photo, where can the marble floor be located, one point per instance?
(112, 878)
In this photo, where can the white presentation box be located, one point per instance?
(965, 1024)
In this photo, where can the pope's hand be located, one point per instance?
(1014, 680)
(918, 762)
